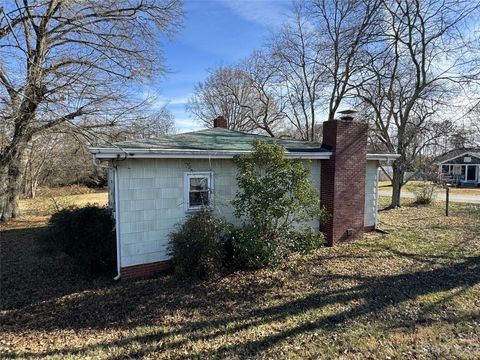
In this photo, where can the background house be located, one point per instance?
(155, 183)
(460, 167)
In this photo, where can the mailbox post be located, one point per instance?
(447, 197)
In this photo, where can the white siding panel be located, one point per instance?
(151, 201)
(371, 193)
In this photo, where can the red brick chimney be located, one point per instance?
(220, 122)
(342, 186)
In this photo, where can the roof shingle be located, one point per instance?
(216, 139)
(452, 154)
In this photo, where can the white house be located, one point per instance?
(155, 183)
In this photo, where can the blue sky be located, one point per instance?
(215, 32)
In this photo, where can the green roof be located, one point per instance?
(215, 139)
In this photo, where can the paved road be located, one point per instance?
(462, 198)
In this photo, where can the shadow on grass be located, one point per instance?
(30, 274)
(140, 303)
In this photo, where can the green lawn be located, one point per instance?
(411, 293)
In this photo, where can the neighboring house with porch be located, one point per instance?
(460, 167)
(155, 183)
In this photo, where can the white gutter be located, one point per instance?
(117, 223)
(383, 157)
(152, 153)
(113, 153)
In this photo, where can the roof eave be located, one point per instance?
(382, 157)
(115, 153)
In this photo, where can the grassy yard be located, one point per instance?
(414, 186)
(411, 293)
(51, 200)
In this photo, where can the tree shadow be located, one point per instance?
(31, 274)
(109, 308)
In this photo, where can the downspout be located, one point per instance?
(117, 222)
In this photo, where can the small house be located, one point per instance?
(460, 167)
(154, 183)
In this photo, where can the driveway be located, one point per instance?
(461, 198)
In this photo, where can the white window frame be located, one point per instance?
(186, 188)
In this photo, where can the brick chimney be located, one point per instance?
(220, 122)
(342, 186)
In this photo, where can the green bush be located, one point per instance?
(274, 192)
(305, 241)
(274, 195)
(86, 234)
(196, 246)
(425, 195)
(248, 249)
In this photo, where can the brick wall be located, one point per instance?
(342, 189)
(145, 270)
(220, 122)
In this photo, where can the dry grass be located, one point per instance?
(412, 293)
(48, 202)
(413, 186)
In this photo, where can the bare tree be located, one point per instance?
(296, 58)
(318, 56)
(346, 29)
(221, 93)
(413, 75)
(46, 154)
(38, 155)
(242, 94)
(473, 115)
(62, 61)
(151, 125)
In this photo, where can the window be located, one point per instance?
(198, 190)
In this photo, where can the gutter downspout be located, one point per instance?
(117, 222)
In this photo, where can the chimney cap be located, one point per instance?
(348, 111)
(347, 114)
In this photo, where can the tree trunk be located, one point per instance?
(33, 188)
(3, 187)
(10, 206)
(397, 183)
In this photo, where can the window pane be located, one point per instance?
(198, 198)
(199, 184)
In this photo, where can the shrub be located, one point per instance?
(196, 246)
(86, 234)
(274, 192)
(247, 249)
(305, 241)
(425, 195)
